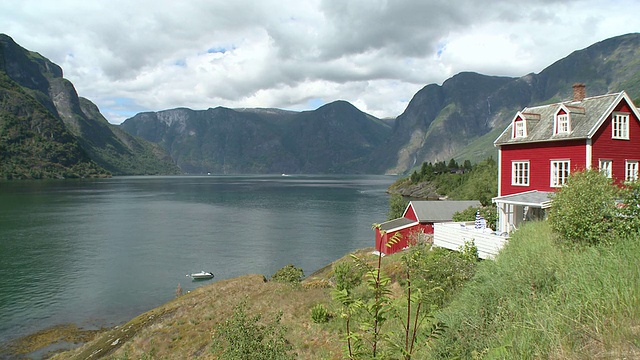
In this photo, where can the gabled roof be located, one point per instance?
(533, 198)
(437, 210)
(586, 118)
(397, 224)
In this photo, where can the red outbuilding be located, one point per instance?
(418, 218)
(544, 144)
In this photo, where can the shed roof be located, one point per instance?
(586, 117)
(440, 210)
(533, 198)
(397, 224)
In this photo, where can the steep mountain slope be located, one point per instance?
(454, 120)
(34, 144)
(104, 143)
(336, 138)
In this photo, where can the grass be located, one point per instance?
(537, 300)
(541, 301)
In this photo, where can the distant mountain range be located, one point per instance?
(458, 119)
(336, 138)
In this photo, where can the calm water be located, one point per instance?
(98, 252)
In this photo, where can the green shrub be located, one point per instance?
(320, 314)
(288, 274)
(248, 337)
(584, 210)
(629, 220)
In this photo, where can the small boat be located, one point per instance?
(202, 275)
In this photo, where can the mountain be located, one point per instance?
(35, 95)
(34, 144)
(336, 138)
(459, 119)
(462, 118)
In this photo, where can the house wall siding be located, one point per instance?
(409, 213)
(407, 235)
(539, 156)
(616, 150)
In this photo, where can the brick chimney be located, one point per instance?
(579, 91)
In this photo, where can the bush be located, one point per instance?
(630, 210)
(244, 337)
(320, 314)
(584, 210)
(288, 274)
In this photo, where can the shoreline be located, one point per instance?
(45, 343)
(60, 338)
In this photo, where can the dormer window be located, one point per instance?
(563, 124)
(520, 129)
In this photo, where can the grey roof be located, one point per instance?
(396, 224)
(586, 117)
(533, 198)
(437, 210)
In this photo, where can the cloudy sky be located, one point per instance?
(149, 55)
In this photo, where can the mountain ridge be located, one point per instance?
(458, 119)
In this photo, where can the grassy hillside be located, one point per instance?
(539, 301)
(535, 301)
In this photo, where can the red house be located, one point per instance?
(418, 218)
(544, 144)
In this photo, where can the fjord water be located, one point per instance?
(99, 252)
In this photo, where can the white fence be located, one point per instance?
(453, 235)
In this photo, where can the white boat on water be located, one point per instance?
(202, 275)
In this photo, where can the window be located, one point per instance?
(605, 167)
(620, 126)
(632, 170)
(520, 129)
(559, 172)
(562, 124)
(520, 173)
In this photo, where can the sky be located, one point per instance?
(132, 56)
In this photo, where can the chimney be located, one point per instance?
(579, 91)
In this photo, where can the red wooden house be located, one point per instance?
(544, 144)
(418, 218)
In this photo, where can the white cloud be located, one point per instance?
(132, 56)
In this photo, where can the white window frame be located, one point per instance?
(631, 170)
(520, 172)
(605, 166)
(519, 129)
(563, 125)
(620, 126)
(560, 171)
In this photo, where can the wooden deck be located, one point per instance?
(453, 235)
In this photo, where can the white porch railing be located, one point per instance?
(453, 235)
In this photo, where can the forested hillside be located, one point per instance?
(64, 131)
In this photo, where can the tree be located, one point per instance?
(397, 205)
(467, 165)
(453, 165)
